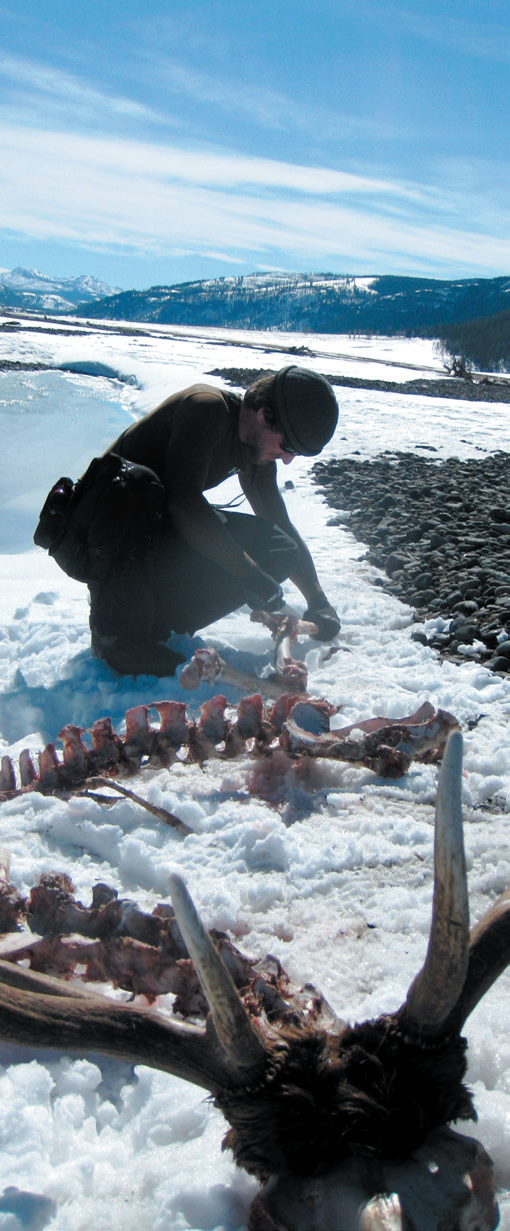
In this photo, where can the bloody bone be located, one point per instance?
(300, 726)
(285, 630)
(388, 750)
(162, 813)
(350, 1122)
(206, 667)
(422, 714)
(114, 941)
(11, 905)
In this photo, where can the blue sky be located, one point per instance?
(157, 142)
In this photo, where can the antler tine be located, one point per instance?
(437, 988)
(489, 955)
(20, 977)
(35, 1012)
(232, 1023)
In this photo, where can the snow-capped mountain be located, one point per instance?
(320, 302)
(33, 291)
(323, 303)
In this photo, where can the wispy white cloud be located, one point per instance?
(46, 94)
(269, 108)
(480, 36)
(44, 86)
(482, 39)
(159, 200)
(221, 170)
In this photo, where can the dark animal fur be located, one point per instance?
(369, 1092)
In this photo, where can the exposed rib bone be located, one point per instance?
(16, 944)
(27, 769)
(30, 981)
(161, 813)
(7, 775)
(423, 714)
(438, 986)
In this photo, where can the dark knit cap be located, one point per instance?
(306, 409)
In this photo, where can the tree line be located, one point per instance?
(483, 343)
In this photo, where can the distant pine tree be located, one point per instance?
(483, 343)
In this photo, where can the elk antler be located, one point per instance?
(35, 1015)
(304, 1093)
(436, 989)
(489, 955)
(233, 1024)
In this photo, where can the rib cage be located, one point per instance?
(301, 726)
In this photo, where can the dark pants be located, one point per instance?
(174, 588)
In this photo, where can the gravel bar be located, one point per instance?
(440, 531)
(476, 389)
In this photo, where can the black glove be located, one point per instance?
(326, 619)
(263, 591)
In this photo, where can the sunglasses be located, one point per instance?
(287, 448)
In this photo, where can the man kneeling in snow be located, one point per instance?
(205, 562)
(158, 558)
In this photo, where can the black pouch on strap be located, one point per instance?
(113, 514)
(53, 513)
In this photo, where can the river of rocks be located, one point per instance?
(476, 388)
(440, 532)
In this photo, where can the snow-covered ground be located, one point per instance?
(333, 876)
